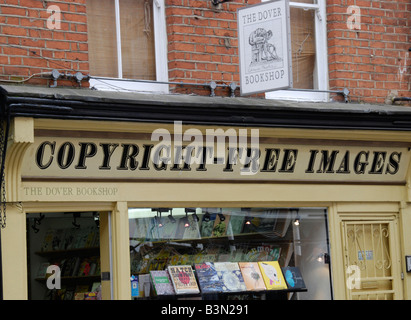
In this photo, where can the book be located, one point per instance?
(69, 267)
(94, 262)
(84, 269)
(272, 275)
(92, 234)
(230, 274)
(47, 244)
(42, 270)
(161, 282)
(69, 294)
(81, 238)
(96, 286)
(293, 278)
(57, 239)
(207, 224)
(68, 239)
(252, 276)
(90, 296)
(183, 279)
(134, 286)
(144, 286)
(222, 227)
(237, 223)
(208, 278)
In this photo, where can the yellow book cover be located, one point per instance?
(272, 275)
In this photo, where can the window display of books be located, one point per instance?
(221, 278)
(76, 254)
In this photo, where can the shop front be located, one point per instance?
(102, 189)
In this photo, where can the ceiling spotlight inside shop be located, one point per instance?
(159, 221)
(96, 218)
(247, 220)
(294, 213)
(186, 222)
(206, 217)
(193, 211)
(74, 223)
(171, 218)
(195, 217)
(222, 217)
(37, 221)
(323, 258)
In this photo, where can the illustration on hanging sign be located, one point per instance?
(263, 53)
(264, 47)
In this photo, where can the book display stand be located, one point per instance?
(217, 257)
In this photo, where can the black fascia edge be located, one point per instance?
(86, 104)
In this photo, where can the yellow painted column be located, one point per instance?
(405, 223)
(14, 254)
(120, 252)
(105, 254)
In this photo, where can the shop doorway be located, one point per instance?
(371, 258)
(64, 255)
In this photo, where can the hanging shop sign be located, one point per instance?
(264, 47)
(68, 158)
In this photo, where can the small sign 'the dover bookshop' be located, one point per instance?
(264, 47)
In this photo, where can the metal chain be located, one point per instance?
(3, 180)
(3, 192)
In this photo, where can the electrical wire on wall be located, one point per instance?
(40, 74)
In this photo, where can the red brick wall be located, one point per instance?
(28, 46)
(372, 61)
(203, 44)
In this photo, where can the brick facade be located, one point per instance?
(203, 42)
(29, 47)
(373, 62)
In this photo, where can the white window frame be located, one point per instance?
(321, 68)
(160, 44)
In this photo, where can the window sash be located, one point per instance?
(160, 48)
(321, 70)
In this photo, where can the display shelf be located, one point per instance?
(271, 294)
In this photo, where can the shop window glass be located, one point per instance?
(163, 237)
(63, 254)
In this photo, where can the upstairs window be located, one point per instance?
(308, 52)
(127, 43)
